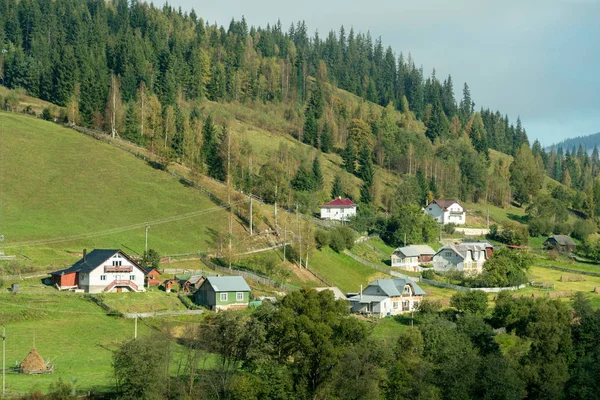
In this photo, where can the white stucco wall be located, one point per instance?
(448, 216)
(409, 263)
(337, 213)
(95, 283)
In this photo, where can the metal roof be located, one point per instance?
(444, 204)
(339, 202)
(563, 240)
(337, 293)
(415, 250)
(90, 262)
(228, 283)
(395, 287)
(366, 299)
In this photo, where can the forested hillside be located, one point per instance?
(143, 73)
(588, 143)
(392, 136)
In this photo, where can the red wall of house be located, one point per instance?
(66, 279)
(488, 252)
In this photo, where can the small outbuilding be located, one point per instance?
(34, 364)
(152, 277)
(223, 293)
(562, 243)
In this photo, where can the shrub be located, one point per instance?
(430, 306)
(539, 227)
(450, 228)
(47, 114)
(583, 229)
(474, 301)
(321, 238)
(348, 235)
(562, 228)
(428, 274)
(336, 241)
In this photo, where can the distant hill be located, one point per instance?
(588, 142)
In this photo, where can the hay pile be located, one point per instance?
(33, 363)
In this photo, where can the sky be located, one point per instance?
(535, 59)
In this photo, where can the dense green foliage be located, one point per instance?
(307, 346)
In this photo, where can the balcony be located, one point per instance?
(119, 268)
(121, 283)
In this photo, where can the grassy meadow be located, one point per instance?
(58, 184)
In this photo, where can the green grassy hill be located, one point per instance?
(58, 184)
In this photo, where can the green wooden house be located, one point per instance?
(223, 293)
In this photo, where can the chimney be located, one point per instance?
(361, 292)
(84, 254)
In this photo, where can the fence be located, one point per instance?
(575, 271)
(468, 289)
(366, 263)
(253, 276)
(320, 277)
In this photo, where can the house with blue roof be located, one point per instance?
(385, 297)
(223, 293)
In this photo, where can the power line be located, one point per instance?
(119, 229)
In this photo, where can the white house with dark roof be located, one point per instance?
(388, 297)
(338, 209)
(468, 257)
(447, 211)
(410, 257)
(102, 271)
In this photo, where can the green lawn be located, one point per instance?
(388, 329)
(67, 329)
(151, 301)
(342, 270)
(58, 183)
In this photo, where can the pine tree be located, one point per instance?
(309, 132)
(366, 174)
(336, 189)
(317, 174)
(303, 180)
(132, 126)
(466, 105)
(349, 157)
(326, 139)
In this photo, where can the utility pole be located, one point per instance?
(488, 218)
(147, 227)
(250, 214)
(275, 207)
(135, 329)
(3, 361)
(284, 241)
(229, 192)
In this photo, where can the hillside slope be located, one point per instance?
(57, 184)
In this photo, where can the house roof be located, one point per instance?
(151, 271)
(339, 202)
(395, 286)
(444, 204)
(228, 283)
(194, 279)
(365, 299)
(93, 260)
(563, 240)
(462, 249)
(415, 250)
(337, 293)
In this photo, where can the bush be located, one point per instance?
(151, 259)
(428, 274)
(47, 114)
(583, 229)
(450, 228)
(474, 301)
(540, 227)
(430, 306)
(348, 235)
(321, 238)
(562, 228)
(336, 241)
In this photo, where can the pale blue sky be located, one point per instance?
(536, 59)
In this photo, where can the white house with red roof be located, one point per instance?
(338, 209)
(447, 211)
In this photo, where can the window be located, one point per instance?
(132, 277)
(405, 305)
(239, 296)
(395, 305)
(415, 305)
(102, 277)
(448, 254)
(116, 263)
(429, 208)
(223, 296)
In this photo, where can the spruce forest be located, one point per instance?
(367, 122)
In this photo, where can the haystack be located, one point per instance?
(33, 363)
